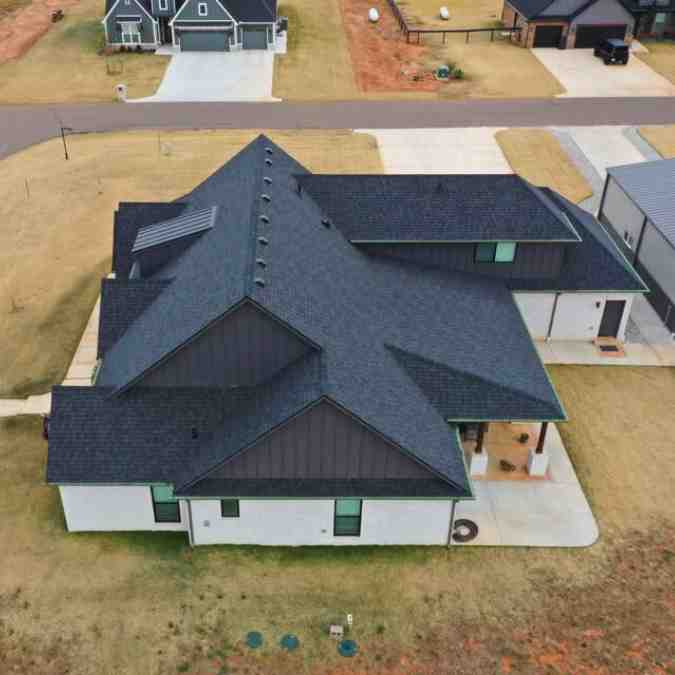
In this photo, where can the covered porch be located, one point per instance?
(506, 450)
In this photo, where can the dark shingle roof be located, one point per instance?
(530, 8)
(122, 301)
(129, 218)
(353, 307)
(252, 10)
(502, 207)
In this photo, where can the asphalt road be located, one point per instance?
(22, 126)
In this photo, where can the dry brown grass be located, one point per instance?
(70, 601)
(64, 66)
(318, 64)
(9, 6)
(57, 236)
(537, 156)
(662, 139)
(463, 13)
(661, 58)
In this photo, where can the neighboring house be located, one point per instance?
(192, 25)
(638, 204)
(567, 24)
(654, 18)
(288, 358)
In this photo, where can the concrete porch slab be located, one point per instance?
(587, 354)
(548, 513)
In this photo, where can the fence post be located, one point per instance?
(467, 37)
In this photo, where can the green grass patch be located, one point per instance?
(89, 34)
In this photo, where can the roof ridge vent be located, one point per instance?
(260, 281)
(265, 197)
(263, 240)
(261, 262)
(264, 218)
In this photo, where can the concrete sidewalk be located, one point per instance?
(548, 513)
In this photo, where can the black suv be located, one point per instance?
(612, 51)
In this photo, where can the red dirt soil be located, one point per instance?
(20, 30)
(381, 58)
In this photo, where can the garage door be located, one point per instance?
(590, 36)
(204, 41)
(255, 38)
(548, 36)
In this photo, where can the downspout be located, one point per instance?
(191, 538)
(639, 244)
(452, 521)
(553, 311)
(602, 199)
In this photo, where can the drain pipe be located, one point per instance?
(553, 311)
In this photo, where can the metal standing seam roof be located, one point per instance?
(651, 185)
(176, 228)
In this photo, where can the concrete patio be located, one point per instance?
(549, 512)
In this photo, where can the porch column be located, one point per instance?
(479, 459)
(542, 438)
(537, 462)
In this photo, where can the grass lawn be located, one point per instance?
(57, 231)
(662, 139)
(147, 603)
(661, 57)
(318, 64)
(538, 157)
(463, 13)
(64, 66)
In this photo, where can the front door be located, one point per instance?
(611, 318)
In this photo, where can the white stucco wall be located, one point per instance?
(310, 523)
(578, 315)
(621, 212)
(536, 310)
(106, 508)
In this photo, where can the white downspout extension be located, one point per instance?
(191, 537)
(549, 332)
(452, 521)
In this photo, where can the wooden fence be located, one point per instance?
(408, 31)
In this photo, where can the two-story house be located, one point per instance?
(192, 25)
(289, 358)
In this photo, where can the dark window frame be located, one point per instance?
(335, 518)
(222, 512)
(163, 519)
(493, 260)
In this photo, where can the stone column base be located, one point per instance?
(537, 464)
(479, 463)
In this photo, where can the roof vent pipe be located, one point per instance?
(268, 161)
(265, 197)
(269, 151)
(264, 218)
(263, 240)
(267, 180)
(260, 281)
(261, 262)
(326, 222)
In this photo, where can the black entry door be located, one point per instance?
(548, 36)
(611, 318)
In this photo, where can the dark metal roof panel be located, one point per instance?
(176, 228)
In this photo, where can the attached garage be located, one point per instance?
(590, 36)
(204, 41)
(254, 37)
(548, 36)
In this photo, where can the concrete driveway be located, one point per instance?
(581, 74)
(217, 76)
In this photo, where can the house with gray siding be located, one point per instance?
(191, 25)
(638, 205)
(295, 359)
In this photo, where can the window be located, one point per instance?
(347, 518)
(163, 5)
(202, 9)
(229, 508)
(165, 505)
(131, 33)
(499, 252)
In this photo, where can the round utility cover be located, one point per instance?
(289, 642)
(347, 648)
(254, 639)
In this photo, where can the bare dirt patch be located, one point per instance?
(67, 602)
(662, 139)
(56, 225)
(537, 156)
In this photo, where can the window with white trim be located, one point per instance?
(131, 34)
(202, 9)
(163, 5)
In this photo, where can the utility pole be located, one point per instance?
(63, 138)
